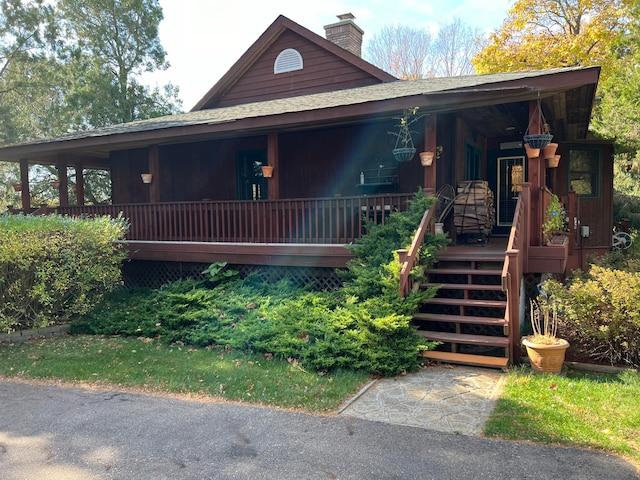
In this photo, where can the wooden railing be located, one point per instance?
(514, 266)
(409, 258)
(336, 220)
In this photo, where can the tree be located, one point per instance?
(111, 43)
(402, 51)
(410, 53)
(454, 47)
(540, 34)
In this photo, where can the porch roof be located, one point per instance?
(343, 106)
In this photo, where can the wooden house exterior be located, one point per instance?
(319, 115)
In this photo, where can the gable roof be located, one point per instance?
(343, 106)
(274, 32)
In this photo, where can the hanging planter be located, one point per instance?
(404, 149)
(267, 171)
(426, 158)
(552, 162)
(17, 187)
(146, 177)
(538, 140)
(55, 184)
(531, 152)
(549, 151)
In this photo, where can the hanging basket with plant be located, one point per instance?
(538, 140)
(404, 149)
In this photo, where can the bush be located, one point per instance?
(365, 325)
(53, 268)
(602, 313)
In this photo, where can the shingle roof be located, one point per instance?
(318, 101)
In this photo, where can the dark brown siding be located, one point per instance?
(328, 162)
(596, 213)
(322, 72)
(126, 167)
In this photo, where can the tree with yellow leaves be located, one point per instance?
(539, 34)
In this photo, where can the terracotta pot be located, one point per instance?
(267, 171)
(146, 177)
(546, 358)
(55, 184)
(531, 152)
(17, 187)
(549, 151)
(426, 158)
(553, 161)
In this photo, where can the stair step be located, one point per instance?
(436, 317)
(497, 257)
(467, 359)
(467, 302)
(464, 338)
(463, 271)
(462, 286)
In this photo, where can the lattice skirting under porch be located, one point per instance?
(153, 274)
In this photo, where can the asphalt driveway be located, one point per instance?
(49, 432)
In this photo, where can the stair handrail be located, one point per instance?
(408, 258)
(514, 265)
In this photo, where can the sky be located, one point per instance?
(204, 38)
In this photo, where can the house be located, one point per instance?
(318, 115)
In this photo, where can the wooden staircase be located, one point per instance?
(468, 313)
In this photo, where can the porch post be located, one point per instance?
(430, 144)
(63, 189)
(154, 169)
(273, 161)
(24, 180)
(536, 176)
(79, 183)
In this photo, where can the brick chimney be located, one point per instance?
(346, 34)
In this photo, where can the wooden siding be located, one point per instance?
(311, 163)
(322, 72)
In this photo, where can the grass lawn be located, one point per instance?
(147, 364)
(582, 409)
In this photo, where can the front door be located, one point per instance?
(507, 171)
(251, 184)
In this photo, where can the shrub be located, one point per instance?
(602, 312)
(53, 268)
(365, 325)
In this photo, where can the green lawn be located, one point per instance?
(148, 364)
(581, 409)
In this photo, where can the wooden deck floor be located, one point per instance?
(493, 250)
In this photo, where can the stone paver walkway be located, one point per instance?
(447, 398)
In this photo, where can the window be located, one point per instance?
(288, 60)
(584, 172)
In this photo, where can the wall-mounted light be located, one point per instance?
(267, 171)
(146, 177)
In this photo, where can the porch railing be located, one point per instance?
(335, 220)
(408, 258)
(514, 266)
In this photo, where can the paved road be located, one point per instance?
(51, 433)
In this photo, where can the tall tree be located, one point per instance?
(554, 33)
(402, 51)
(110, 44)
(410, 53)
(454, 47)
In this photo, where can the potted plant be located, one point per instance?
(545, 350)
(555, 220)
(404, 149)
